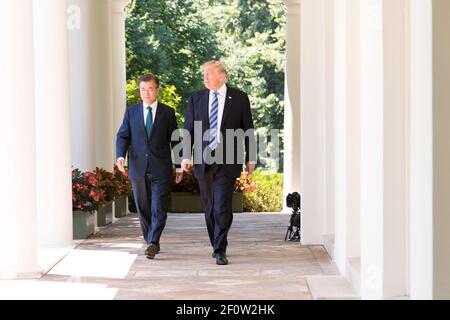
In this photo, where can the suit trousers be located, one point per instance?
(216, 190)
(151, 197)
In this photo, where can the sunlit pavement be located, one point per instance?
(111, 264)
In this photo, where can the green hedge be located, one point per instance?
(268, 196)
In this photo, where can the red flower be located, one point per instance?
(91, 190)
(244, 183)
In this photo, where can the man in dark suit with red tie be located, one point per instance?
(145, 134)
(219, 124)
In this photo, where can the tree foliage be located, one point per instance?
(174, 37)
(170, 38)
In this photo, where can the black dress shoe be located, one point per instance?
(152, 250)
(159, 249)
(213, 254)
(221, 259)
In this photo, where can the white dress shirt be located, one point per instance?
(221, 97)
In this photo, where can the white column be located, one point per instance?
(347, 136)
(54, 185)
(292, 100)
(103, 96)
(353, 137)
(81, 83)
(340, 134)
(396, 113)
(372, 232)
(430, 150)
(421, 152)
(313, 120)
(119, 76)
(383, 148)
(441, 149)
(18, 227)
(329, 122)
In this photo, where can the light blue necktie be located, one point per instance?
(149, 122)
(213, 117)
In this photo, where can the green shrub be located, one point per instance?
(268, 196)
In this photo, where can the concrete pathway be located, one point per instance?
(111, 264)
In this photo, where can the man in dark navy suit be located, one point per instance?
(145, 134)
(219, 123)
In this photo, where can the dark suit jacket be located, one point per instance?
(132, 137)
(236, 115)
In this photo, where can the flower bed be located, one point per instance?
(95, 192)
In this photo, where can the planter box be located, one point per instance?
(120, 209)
(131, 204)
(238, 202)
(83, 224)
(185, 202)
(104, 215)
(192, 203)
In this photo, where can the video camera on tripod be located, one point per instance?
(293, 200)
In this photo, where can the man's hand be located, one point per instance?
(121, 164)
(250, 168)
(178, 177)
(186, 165)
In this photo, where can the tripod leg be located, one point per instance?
(289, 231)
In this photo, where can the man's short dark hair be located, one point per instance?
(149, 77)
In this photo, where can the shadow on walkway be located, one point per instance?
(111, 264)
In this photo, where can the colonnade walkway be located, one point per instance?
(111, 264)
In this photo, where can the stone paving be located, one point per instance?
(261, 265)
